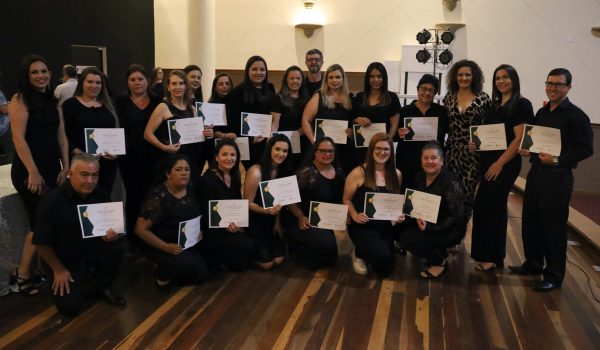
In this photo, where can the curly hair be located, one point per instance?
(452, 77)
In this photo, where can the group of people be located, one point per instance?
(168, 183)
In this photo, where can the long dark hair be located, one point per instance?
(104, 96)
(137, 68)
(285, 168)
(384, 98)
(476, 82)
(236, 181)
(391, 178)
(251, 96)
(284, 92)
(26, 90)
(164, 166)
(307, 172)
(191, 68)
(516, 88)
(214, 95)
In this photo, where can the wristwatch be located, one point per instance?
(555, 161)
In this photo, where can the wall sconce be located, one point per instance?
(309, 29)
(309, 19)
(451, 4)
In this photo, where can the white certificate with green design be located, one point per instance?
(254, 124)
(212, 113)
(328, 216)
(421, 205)
(96, 219)
(541, 139)
(489, 137)
(281, 191)
(383, 206)
(223, 212)
(421, 128)
(336, 129)
(189, 233)
(186, 130)
(363, 134)
(105, 140)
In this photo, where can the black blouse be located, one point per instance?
(316, 187)
(291, 116)
(134, 121)
(251, 100)
(213, 188)
(77, 117)
(379, 113)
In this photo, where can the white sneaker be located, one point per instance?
(358, 264)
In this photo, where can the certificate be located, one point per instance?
(282, 191)
(328, 216)
(363, 134)
(256, 124)
(421, 128)
(105, 140)
(186, 130)
(212, 113)
(224, 212)
(538, 139)
(96, 219)
(336, 129)
(490, 137)
(294, 137)
(421, 205)
(189, 233)
(383, 206)
(243, 146)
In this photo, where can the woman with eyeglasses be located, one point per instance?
(498, 170)
(373, 239)
(408, 155)
(319, 179)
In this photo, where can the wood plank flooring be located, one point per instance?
(292, 308)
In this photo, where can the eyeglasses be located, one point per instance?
(325, 151)
(555, 85)
(382, 150)
(313, 60)
(427, 91)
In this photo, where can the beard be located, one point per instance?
(314, 69)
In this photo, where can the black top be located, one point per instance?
(224, 100)
(251, 100)
(58, 225)
(376, 114)
(521, 113)
(134, 121)
(213, 188)
(358, 200)
(78, 117)
(575, 133)
(158, 90)
(291, 116)
(316, 187)
(165, 211)
(312, 86)
(337, 113)
(409, 152)
(453, 208)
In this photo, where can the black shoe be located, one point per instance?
(112, 297)
(524, 270)
(546, 286)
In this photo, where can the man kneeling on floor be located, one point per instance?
(60, 242)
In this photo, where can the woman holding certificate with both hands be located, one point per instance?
(319, 179)
(274, 163)
(499, 170)
(373, 239)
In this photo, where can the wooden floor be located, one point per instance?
(291, 308)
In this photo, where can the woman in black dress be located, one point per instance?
(176, 105)
(91, 107)
(332, 102)
(231, 246)
(373, 239)
(222, 86)
(274, 163)
(287, 108)
(253, 95)
(137, 166)
(498, 170)
(156, 83)
(172, 201)
(41, 144)
(319, 179)
(375, 104)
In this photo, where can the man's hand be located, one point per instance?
(60, 286)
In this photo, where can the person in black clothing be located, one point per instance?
(427, 240)
(375, 104)
(157, 88)
(253, 95)
(137, 166)
(319, 179)
(222, 86)
(231, 246)
(287, 108)
(408, 155)
(550, 184)
(61, 244)
(498, 170)
(314, 76)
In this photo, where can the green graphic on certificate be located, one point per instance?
(199, 110)
(91, 145)
(411, 133)
(88, 227)
(245, 124)
(370, 209)
(475, 137)
(182, 238)
(174, 135)
(359, 139)
(315, 219)
(408, 206)
(268, 199)
(527, 139)
(215, 217)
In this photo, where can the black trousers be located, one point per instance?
(187, 267)
(375, 245)
(234, 250)
(490, 215)
(430, 246)
(545, 215)
(103, 259)
(312, 248)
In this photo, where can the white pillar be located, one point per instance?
(201, 38)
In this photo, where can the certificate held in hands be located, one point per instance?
(421, 129)
(538, 139)
(189, 233)
(212, 113)
(254, 124)
(421, 205)
(328, 216)
(282, 191)
(383, 206)
(105, 140)
(186, 130)
(336, 129)
(363, 134)
(96, 219)
(224, 212)
(490, 137)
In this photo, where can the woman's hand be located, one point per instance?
(35, 183)
(422, 224)
(301, 131)
(258, 139)
(208, 132)
(172, 248)
(62, 177)
(471, 146)
(108, 156)
(399, 220)
(230, 135)
(402, 132)
(303, 223)
(274, 210)
(171, 148)
(349, 133)
(362, 121)
(232, 228)
(360, 218)
(494, 170)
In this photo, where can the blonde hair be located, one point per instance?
(326, 94)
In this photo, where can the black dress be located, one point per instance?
(490, 213)
(77, 118)
(342, 152)
(291, 120)
(206, 149)
(219, 246)
(138, 165)
(314, 247)
(165, 211)
(41, 135)
(381, 113)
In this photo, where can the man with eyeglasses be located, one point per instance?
(550, 184)
(314, 76)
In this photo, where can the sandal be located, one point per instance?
(25, 286)
(479, 267)
(426, 274)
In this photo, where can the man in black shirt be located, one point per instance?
(550, 184)
(314, 77)
(59, 240)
